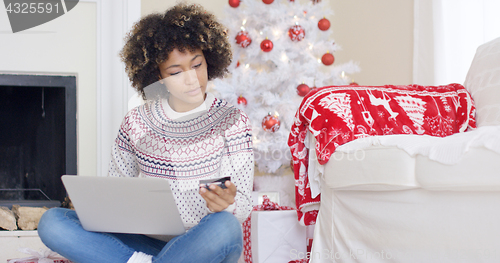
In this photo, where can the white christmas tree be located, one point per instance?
(282, 50)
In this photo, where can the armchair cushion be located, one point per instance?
(460, 162)
(483, 82)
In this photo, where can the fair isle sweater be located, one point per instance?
(211, 141)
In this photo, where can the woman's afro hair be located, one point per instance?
(183, 26)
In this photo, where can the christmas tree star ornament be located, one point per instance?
(243, 39)
(266, 45)
(324, 24)
(303, 89)
(271, 123)
(234, 3)
(296, 33)
(327, 59)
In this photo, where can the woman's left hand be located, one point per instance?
(219, 199)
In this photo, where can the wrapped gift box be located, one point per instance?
(277, 236)
(36, 261)
(258, 197)
(46, 256)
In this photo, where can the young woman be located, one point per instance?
(184, 136)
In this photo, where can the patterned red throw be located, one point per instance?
(336, 115)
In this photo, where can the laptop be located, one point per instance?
(124, 205)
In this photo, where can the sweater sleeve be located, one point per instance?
(238, 163)
(123, 159)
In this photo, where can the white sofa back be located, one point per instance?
(483, 82)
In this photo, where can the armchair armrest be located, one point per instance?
(461, 162)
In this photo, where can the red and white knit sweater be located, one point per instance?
(155, 141)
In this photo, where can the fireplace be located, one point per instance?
(37, 138)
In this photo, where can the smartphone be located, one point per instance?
(221, 182)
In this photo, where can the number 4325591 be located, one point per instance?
(32, 8)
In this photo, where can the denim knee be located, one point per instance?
(229, 227)
(46, 220)
(49, 225)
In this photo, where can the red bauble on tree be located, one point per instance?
(324, 24)
(353, 83)
(234, 3)
(271, 123)
(243, 39)
(268, 2)
(266, 45)
(303, 89)
(296, 33)
(327, 59)
(241, 100)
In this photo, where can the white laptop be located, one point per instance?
(124, 204)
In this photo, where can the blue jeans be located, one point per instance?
(217, 238)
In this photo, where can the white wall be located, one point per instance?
(377, 34)
(64, 45)
(158, 6)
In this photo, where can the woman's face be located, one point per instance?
(185, 76)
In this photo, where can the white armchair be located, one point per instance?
(385, 200)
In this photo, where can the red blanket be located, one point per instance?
(339, 114)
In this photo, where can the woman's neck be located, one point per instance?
(182, 107)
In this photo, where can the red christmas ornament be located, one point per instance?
(243, 39)
(327, 59)
(268, 2)
(242, 100)
(324, 24)
(238, 64)
(303, 89)
(271, 123)
(266, 45)
(234, 3)
(296, 33)
(354, 83)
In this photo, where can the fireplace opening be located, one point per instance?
(37, 138)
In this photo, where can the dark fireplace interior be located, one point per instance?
(37, 137)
